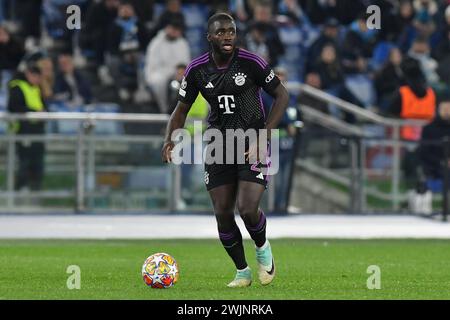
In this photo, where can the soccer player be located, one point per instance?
(230, 79)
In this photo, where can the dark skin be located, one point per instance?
(243, 194)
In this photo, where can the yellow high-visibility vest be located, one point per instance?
(198, 111)
(32, 94)
(33, 99)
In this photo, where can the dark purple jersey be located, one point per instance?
(234, 92)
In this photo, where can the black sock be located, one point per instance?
(232, 242)
(258, 232)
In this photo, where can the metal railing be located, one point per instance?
(85, 155)
(339, 126)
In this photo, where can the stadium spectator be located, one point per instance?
(442, 49)
(420, 50)
(11, 50)
(405, 30)
(431, 149)
(313, 79)
(167, 50)
(333, 79)
(70, 85)
(242, 9)
(28, 15)
(445, 26)
(45, 64)
(424, 20)
(173, 86)
(442, 54)
(414, 100)
(263, 22)
(171, 13)
(93, 36)
(329, 34)
(255, 41)
(127, 38)
(25, 96)
(388, 79)
(358, 46)
(292, 10)
(343, 10)
(144, 10)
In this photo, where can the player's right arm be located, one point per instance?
(176, 121)
(186, 96)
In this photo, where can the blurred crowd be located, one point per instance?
(132, 54)
(129, 51)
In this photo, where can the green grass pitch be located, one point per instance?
(306, 269)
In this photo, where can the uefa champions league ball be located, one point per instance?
(160, 271)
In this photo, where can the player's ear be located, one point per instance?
(208, 37)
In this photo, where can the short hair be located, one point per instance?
(220, 16)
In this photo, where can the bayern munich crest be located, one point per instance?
(239, 78)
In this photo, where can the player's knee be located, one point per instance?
(247, 213)
(223, 209)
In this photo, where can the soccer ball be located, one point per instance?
(160, 270)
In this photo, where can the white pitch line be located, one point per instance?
(187, 226)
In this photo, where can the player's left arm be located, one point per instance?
(280, 103)
(266, 78)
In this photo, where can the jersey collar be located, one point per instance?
(213, 65)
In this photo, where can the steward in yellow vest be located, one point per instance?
(25, 96)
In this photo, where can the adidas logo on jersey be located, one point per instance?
(209, 85)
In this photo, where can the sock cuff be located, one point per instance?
(264, 246)
(260, 225)
(245, 269)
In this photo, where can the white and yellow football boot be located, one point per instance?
(242, 279)
(266, 265)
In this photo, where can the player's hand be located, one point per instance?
(166, 152)
(252, 152)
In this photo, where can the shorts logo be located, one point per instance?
(239, 78)
(270, 76)
(206, 177)
(260, 176)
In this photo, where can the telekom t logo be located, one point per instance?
(228, 102)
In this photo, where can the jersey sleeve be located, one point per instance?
(188, 90)
(265, 78)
